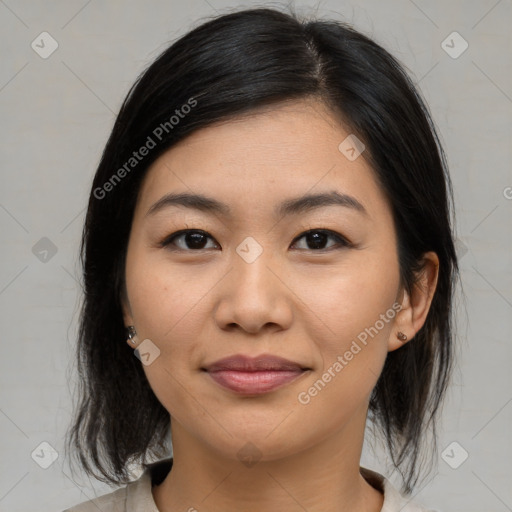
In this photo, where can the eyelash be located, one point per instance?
(342, 241)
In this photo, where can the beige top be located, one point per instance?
(137, 495)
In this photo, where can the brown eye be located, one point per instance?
(316, 239)
(190, 240)
(187, 240)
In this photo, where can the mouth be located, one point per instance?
(254, 376)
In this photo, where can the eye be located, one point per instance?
(194, 239)
(317, 239)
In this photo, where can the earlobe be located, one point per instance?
(127, 317)
(132, 334)
(416, 304)
(402, 331)
(397, 339)
(127, 312)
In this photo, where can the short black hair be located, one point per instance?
(229, 66)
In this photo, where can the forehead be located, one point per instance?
(255, 161)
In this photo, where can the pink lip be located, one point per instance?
(249, 376)
(250, 383)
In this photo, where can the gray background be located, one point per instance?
(56, 114)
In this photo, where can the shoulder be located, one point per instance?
(133, 497)
(394, 501)
(112, 502)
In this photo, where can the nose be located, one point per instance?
(254, 296)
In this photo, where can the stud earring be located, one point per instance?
(131, 333)
(401, 336)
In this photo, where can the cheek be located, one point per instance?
(351, 316)
(352, 338)
(351, 296)
(164, 297)
(166, 301)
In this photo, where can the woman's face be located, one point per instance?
(251, 282)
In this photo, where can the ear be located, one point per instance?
(416, 305)
(127, 310)
(128, 321)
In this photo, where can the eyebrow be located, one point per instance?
(288, 207)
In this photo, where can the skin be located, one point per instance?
(296, 301)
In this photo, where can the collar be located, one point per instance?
(139, 495)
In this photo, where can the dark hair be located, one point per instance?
(227, 67)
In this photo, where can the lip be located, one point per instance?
(242, 363)
(250, 376)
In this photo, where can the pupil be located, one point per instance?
(318, 239)
(194, 240)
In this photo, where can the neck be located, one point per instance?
(322, 478)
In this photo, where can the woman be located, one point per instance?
(269, 231)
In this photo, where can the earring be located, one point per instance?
(401, 336)
(131, 333)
